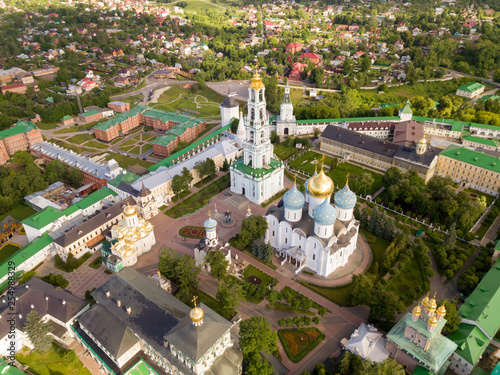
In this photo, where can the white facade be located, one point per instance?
(286, 122)
(257, 175)
(229, 109)
(134, 237)
(310, 232)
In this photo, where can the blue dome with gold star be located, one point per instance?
(294, 199)
(210, 224)
(325, 213)
(345, 198)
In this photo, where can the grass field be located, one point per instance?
(377, 244)
(136, 151)
(47, 125)
(200, 6)
(204, 103)
(132, 99)
(7, 250)
(55, 361)
(489, 198)
(304, 163)
(298, 342)
(283, 152)
(406, 280)
(264, 277)
(127, 161)
(81, 138)
(19, 212)
(74, 128)
(97, 144)
(77, 149)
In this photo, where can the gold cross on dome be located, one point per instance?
(322, 161)
(194, 300)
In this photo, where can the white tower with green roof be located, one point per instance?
(257, 175)
(286, 123)
(405, 113)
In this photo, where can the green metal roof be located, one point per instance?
(486, 97)
(167, 162)
(407, 108)
(484, 141)
(65, 118)
(258, 172)
(25, 253)
(433, 358)
(128, 177)
(484, 302)
(471, 342)
(475, 158)
(141, 368)
(89, 113)
(88, 201)
(165, 140)
(353, 119)
(419, 370)
(120, 117)
(43, 218)
(19, 128)
(6, 369)
(471, 87)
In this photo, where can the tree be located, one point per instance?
(229, 293)
(234, 125)
(256, 225)
(179, 184)
(452, 317)
(256, 365)
(38, 331)
(257, 335)
(75, 177)
(218, 263)
(182, 269)
(451, 237)
(225, 165)
(361, 290)
(317, 76)
(362, 182)
(186, 174)
(263, 250)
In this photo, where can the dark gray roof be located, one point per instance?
(93, 222)
(46, 300)
(361, 141)
(409, 154)
(194, 341)
(229, 102)
(227, 364)
(113, 334)
(378, 146)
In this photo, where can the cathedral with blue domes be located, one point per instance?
(310, 232)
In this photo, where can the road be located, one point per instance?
(151, 85)
(456, 74)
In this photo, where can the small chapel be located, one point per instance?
(308, 231)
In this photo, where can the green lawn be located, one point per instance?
(132, 99)
(77, 149)
(129, 142)
(200, 6)
(97, 144)
(296, 96)
(148, 137)
(136, 151)
(489, 198)
(126, 161)
(409, 278)
(252, 271)
(146, 148)
(81, 138)
(74, 128)
(482, 229)
(377, 244)
(199, 199)
(47, 125)
(215, 305)
(55, 361)
(183, 100)
(304, 164)
(7, 250)
(283, 152)
(19, 212)
(338, 295)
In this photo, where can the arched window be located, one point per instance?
(252, 114)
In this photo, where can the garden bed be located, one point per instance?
(192, 232)
(299, 342)
(8, 250)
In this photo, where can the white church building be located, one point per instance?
(308, 231)
(258, 176)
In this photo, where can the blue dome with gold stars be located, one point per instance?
(325, 213)
(210, 224)
(345, 198)
(294, 199)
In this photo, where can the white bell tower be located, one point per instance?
(257, 147)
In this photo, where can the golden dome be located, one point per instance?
(129, 210)
(197, 314)
(143, 233)
(320, 186)
(131, 239)
(432, 305)
(433, 320)
(423, 141)
(257, 83)
(119, 234)
(416, 310)
(442, 310)
(425, 301)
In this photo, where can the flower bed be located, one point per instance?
(192, 232)
(299, 342)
